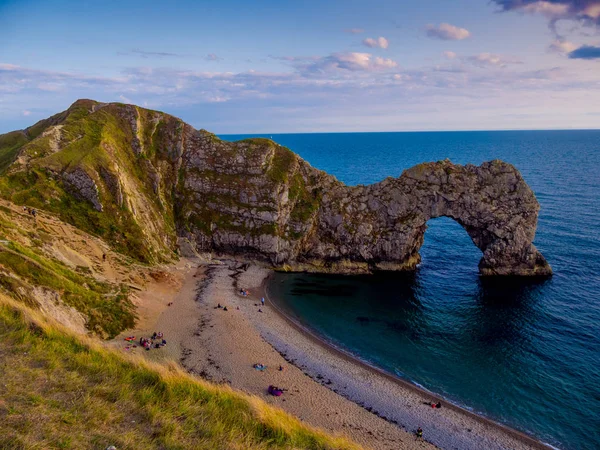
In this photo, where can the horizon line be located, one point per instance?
(412, 131)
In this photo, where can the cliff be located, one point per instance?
(145, 180)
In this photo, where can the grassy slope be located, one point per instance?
(27, 262)
(107, 308)
(62, 391)
(10, 143)
(94, 142)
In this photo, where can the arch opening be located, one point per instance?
(448, 248)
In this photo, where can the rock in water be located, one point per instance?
(153, 181)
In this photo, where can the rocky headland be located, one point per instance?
(150, 184)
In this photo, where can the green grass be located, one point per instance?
(39, 189)
(60, 391)
(108, 309)
(281, 165)
(10, 144)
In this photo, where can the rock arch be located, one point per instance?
(382, 225)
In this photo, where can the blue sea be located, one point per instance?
(523, 352)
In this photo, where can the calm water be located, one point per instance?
(524, 353)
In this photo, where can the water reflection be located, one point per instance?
(501, 316)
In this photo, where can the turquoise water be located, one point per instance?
(522, 352)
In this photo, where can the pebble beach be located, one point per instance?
(322, 385)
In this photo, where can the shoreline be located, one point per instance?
(353, 359)
(324, 386)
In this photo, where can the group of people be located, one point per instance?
(244, 293)
(157, 340)
(30, 211)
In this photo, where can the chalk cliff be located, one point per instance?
(144, 180)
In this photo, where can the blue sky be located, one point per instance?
(312, 66)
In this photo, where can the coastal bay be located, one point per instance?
(323, 386)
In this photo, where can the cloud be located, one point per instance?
(26, 113)
(449, 55)
(545, 8)
(335, 91)
(447, 32)
(146, 54)
(354, 30)
(295, 58)
(561, 46)
(351, 61)
(380, 42)
(492, 59)
(585, 52)
(587, 11)
(212, 57)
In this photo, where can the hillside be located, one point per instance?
(59, 269)
(144, 181)
(62, 391)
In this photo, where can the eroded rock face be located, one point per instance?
(384, 224)
(259, 199)
(162, 181)
(82, 186)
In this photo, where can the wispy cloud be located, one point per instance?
(379, 42)
(447, 32)
(311, 92)
(212, 57)
(350, 61)
(149, 54)
(561, 46)
(492, 59)
(354, 30)
(586, 11)
(585, 52)
(449, 55)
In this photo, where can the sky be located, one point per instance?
(264, 66)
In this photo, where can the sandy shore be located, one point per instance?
(324, 387)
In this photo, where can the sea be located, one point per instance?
(522, 352)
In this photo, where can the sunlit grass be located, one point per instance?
(59, 390)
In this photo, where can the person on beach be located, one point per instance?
(419, 433)
(262, 301)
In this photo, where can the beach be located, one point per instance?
(324, 387)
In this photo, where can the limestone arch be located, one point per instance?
(382, 225)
